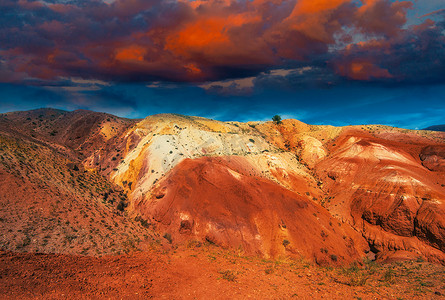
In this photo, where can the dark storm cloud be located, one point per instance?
(416, 55)
(196, 41)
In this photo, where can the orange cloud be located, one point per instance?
(193, 68)
(205, 40)
(381, 17)
(202, 35)
(208, 37)
(315, 6)
(318, 20)
(362, 70)
(131, 53)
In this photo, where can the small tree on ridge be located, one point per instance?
(276, 119)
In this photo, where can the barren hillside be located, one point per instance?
(86, 183)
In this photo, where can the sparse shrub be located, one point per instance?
(130, 245)
(193, 244)
(228, 275)
(286, 243)
(26, 241)
(168, 237)
(388, 276)
(356, 276)
(426, 283)
(70, 238)
(420, 260)
(370, 266)
(121, 206)
(359, 279)
(143, 222)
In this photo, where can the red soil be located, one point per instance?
(209, 273)
(212, 199)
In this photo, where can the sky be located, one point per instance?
(333, 62)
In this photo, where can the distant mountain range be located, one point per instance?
(436, 128)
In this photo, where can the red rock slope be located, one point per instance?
(212, 198)
(380, 185)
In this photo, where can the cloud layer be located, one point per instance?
(42, 42)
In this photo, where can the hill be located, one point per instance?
(436, 128)
(50, 201)
(87, 183)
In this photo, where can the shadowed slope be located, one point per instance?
(436, 128)
(78, 133)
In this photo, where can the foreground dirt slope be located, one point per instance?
(208, 272)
